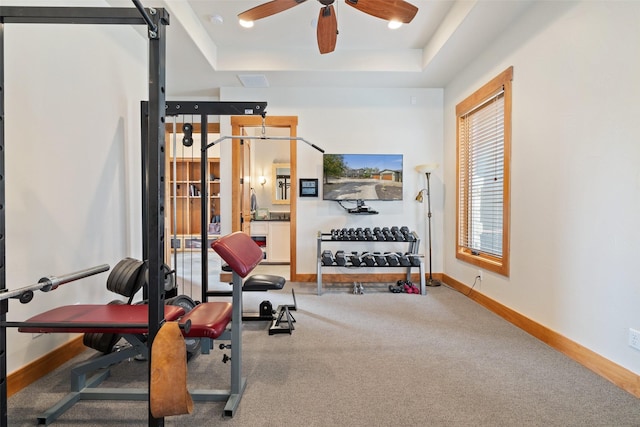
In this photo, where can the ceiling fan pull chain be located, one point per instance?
(264, 129)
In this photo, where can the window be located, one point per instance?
(484, 142)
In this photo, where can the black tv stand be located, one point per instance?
(362, 209)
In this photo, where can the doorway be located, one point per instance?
(240, 185)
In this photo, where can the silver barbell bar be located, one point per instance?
(49, 283)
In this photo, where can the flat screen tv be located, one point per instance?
(362, 177)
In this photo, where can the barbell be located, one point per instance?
(49, 283)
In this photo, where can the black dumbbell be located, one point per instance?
(392, 260)
(404, 260)
(381, 260)
(355, 259)
(415, 260)
(327, 257)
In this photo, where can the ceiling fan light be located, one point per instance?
(394, 25)
(245, 24)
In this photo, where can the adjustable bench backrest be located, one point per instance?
(239, 251)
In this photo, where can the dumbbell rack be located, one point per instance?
(353, 239)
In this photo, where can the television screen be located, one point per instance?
(362, 177)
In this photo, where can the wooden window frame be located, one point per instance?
(497, 264)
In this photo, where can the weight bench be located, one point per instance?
(206, 321)
(267, 282)
(263, 283)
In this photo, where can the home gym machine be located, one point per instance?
(153, 155)
(155, 20)
(281, 319)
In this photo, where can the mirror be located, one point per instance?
(281, 178)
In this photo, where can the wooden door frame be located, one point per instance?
(291, 122)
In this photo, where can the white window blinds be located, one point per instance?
(481, 174)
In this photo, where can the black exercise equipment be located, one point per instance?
(187, 139)
(264, 283)
(192, 344)
(392, 259)
(369, 260)
(395, 233)
(127, 277)
(206, 321)
(327, 257)
(153, 114)
(355, 259)
(381, 260)
(104, 342)
(49, 283)
(268, 282)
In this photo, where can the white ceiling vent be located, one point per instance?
(253, 80)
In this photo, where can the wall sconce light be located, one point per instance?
(262, 180)
(427, 169)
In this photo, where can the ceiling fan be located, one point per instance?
(327, 30)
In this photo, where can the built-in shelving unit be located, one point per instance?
(186, 199)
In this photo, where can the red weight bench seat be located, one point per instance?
(108, 318)
(208, 320)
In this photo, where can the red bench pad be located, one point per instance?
(239, 251)
(99, 314)
(208, 319)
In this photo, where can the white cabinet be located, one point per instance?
(273, 238)
(280, 244)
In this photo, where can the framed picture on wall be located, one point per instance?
(308, 187)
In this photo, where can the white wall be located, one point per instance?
(575, 189)
(343, 120)
(72, 96)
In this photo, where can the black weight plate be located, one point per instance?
(169, 281)
(188, 304)
(122, 286)
(169, 278)
(129, 284)
(115, 277)
(103, 342)
(183, 301)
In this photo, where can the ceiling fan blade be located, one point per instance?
(327, 29)
(396, 10)
(268, 9)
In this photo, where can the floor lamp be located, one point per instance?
(427, 169)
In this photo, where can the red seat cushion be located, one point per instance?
(98, 314)
(208, 319)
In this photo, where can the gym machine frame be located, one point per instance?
(203, 109)
(153, 142)
(226, 108)
(156, 21)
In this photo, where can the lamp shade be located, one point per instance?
(427, 167)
